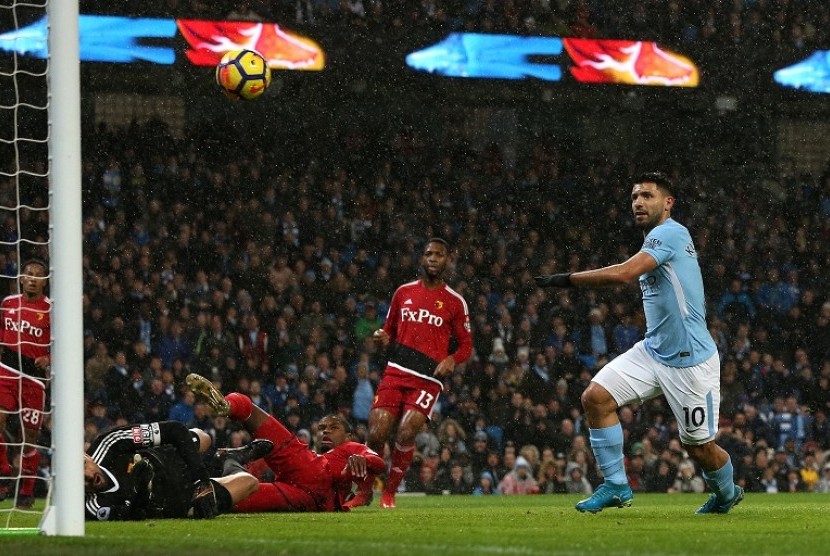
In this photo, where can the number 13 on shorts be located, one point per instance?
(425, 400)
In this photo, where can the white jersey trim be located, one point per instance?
(22, 375)
(419, 375)
(678, 291)
(460, 298)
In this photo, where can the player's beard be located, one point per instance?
(431, 274)
(648, 224)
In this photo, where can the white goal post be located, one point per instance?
(65, 514)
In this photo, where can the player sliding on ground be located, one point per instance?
(306, 481)
(677, 358)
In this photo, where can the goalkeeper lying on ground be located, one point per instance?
(155, 470)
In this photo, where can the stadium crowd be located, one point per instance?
(269, 279)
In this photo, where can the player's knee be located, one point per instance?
(405, 437)
(597, 398)
(251, 485)
(380, 425)
(701, 452)
(695, 452)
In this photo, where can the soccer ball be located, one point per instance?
(243, 74)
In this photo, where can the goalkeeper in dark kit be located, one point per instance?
(155, 470)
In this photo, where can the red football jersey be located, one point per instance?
(27, 325)
(336, 461)
(421, 322)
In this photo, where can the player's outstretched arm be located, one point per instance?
(614, 275)
(553, 280)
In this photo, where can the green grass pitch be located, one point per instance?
(468, 525)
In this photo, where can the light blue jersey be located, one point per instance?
(676, 331)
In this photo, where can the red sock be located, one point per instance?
(5, 468)
(401, 458)
(241, 406)
(29, 464)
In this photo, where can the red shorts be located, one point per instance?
(303, 482)
(400, 391)
(18, 393)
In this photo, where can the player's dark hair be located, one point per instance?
(662, 180)
(440, 240)
(38, 262)
(347, 426)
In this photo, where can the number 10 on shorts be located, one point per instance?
(695, 416)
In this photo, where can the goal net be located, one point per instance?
(41, 474)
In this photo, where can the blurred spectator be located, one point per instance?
(486, 485)
(426, 442)
(687, 480)
(809, 473)
(794, 482)
(174, 345)
(735, 305)
(537, 383)
(769, 480)
(157, 402)
(123, 399)
(551, 476)
(454, 482)
(520, 480)
(426, 481)
(367, 323)
(452, 436)
(253, 344)
(575, 481)
(790, 423)
(258, 397)
(635, 470)
(823, 485)
(182, 411)
(364, 394)
(97, 415)
(95, 370)
(661, 478)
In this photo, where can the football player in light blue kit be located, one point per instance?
(677, 358)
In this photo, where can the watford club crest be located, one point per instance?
(439, 305)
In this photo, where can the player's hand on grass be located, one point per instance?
(356, 465)
(204, 500)
(553, 280)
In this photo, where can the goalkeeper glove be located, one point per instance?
(204, 500)
(554, 280)
(142, 474)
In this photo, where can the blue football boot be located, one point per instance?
(715, 506)
(608, 495)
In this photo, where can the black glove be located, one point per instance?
(204, 500)
(123, 512)
(142, 474)
(554, 280)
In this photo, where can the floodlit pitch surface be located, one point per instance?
(449, 525)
